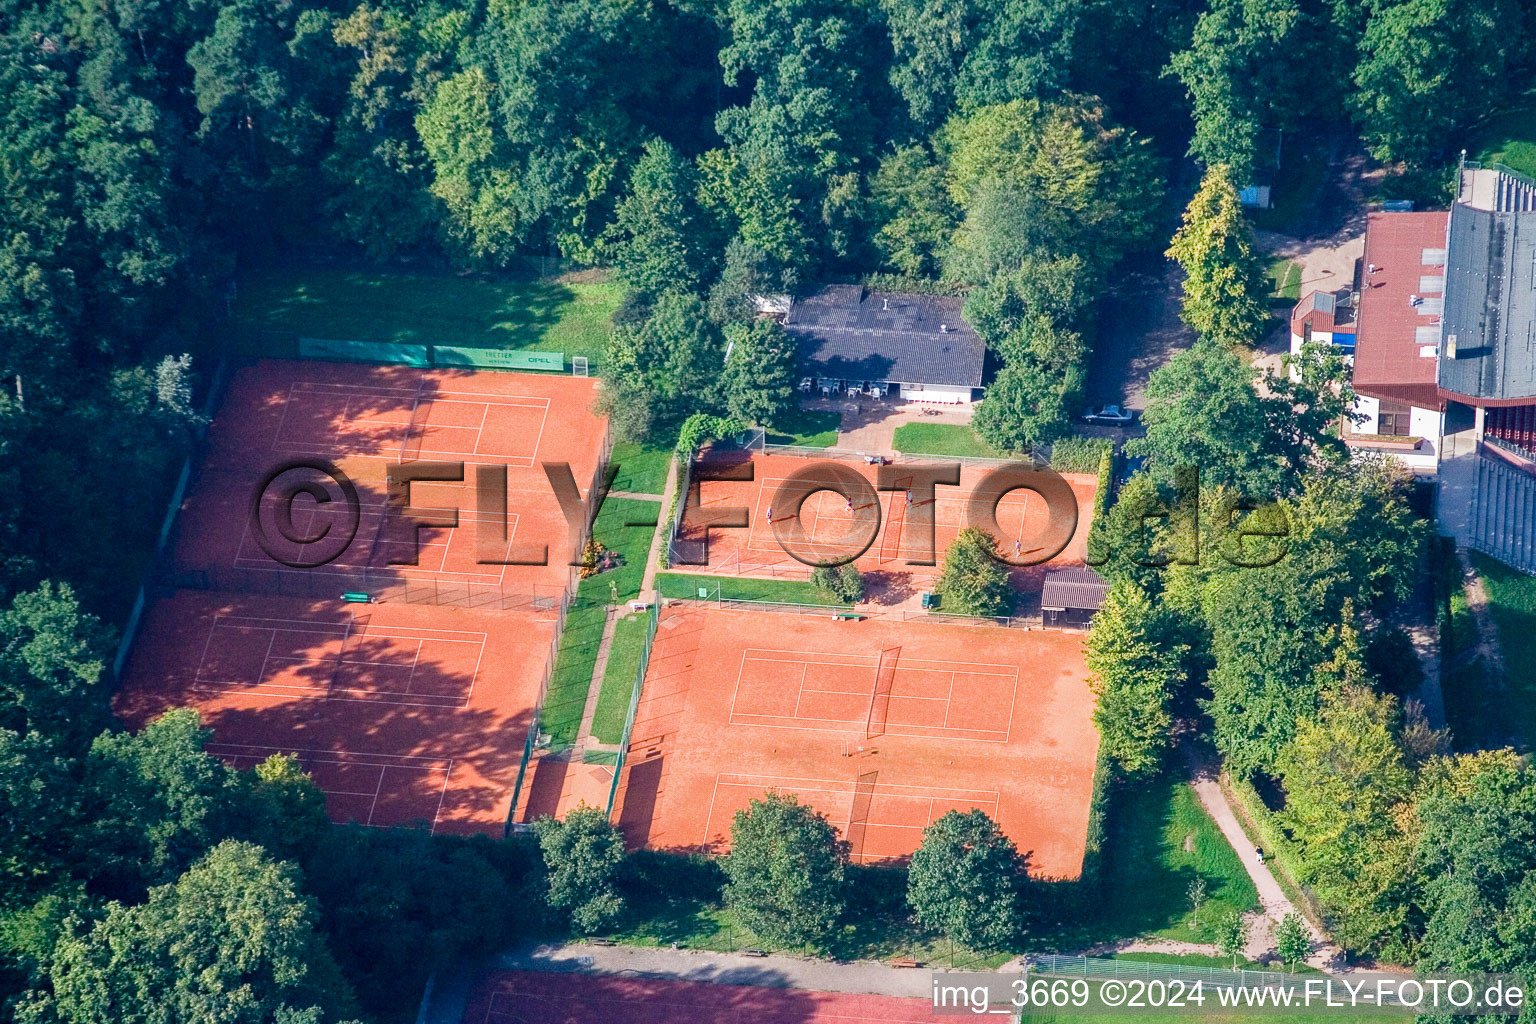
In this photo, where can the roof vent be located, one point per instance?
(943, 328)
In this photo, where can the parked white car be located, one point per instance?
(1110, 414)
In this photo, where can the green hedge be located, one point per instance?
(1278, 846)
(1080, 454)
(1098, 803)
(695, 431)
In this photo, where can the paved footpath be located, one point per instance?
(1272, 899)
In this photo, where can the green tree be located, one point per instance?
(398, 904)
(674, 358)
(380, 172)
(1293, 940)
(1197, 895)
(658, 230)
(282, 809)
(785, 871)
(972, 581)
(845, 581)
(1135, 670)
(1224, 284)
(1474, 863)
(1089, 187)
(1346, 789)
(1283, 638)
(915, 212)
(1203, 410)
(582, 855)
(1031, 399)
(975, 52)
(158, 800)
(965, 881)
(1231, 935)
(232, 939)
(760, 372)
(52, 667)
(1251, 66)
(1430, 67)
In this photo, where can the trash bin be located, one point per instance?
(929, 599)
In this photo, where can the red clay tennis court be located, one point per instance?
(412, 709)
(532, 997)
(404, 714)
(829, 518)
(883, 725)
(362, 419)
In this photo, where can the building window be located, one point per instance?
(1394, 419)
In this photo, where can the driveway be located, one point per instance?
(1139, 330)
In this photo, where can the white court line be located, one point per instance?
(314, 627)
(800, 693)
(903, 663)
(378, 788)
(349, 759)
(382, 390)
(331, 691)
(911, 732)
(838, 788)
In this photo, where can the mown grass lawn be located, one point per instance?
(1512, 602)
(570, 314)
(576, 656)
(1508, 138)
(619, 677)
(942, 439)
(808, 428)
(1158, 840)
(640, 468)
(1285, 279)
(737, 588)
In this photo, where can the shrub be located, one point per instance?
(844, 581)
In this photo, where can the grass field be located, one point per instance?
(619, 677)
(736, 588)
(569, 314)
(1285, 279)
(1512, 601)
(942, 439)
(808, 428)
(1158, 840)
(641, 468)
(576, 656)
(1507, 138)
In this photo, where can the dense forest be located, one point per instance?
(706, 151)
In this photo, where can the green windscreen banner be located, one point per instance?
(364, 351)
(498, 358)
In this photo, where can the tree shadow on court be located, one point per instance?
(371, 720)
(887, 587)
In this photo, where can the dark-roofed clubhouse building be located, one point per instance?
(855, 341)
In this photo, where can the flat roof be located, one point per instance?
(850, 333)
(1491, 304)
(1081, 589)
(1392, 359)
